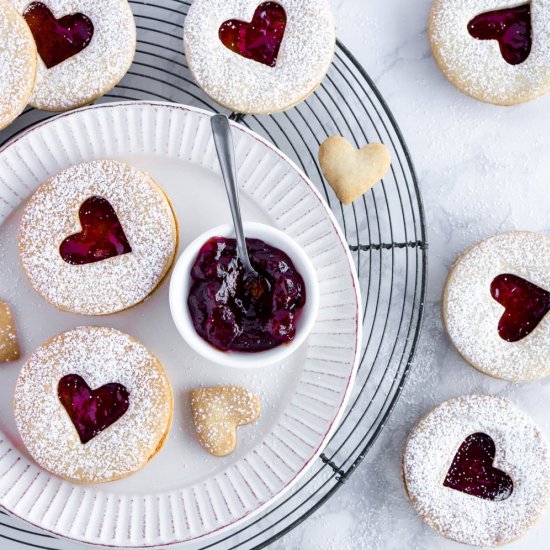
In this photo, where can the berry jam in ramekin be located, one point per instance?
(223, 311)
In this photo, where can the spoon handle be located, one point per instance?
(223, 140)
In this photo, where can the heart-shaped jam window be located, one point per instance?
(525, 306)
(58, 39)
(259, 40)
(511, 27)
(102, 236)
(92, 411)
(472, 471)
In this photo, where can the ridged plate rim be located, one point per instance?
(10, 151)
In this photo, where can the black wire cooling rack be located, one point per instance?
(385, 231)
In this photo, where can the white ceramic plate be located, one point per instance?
(184, 493)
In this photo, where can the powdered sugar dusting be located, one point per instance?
(472, 315)
(17, 64)
(100, 356)
(113, 284)
(521, 452)
(247, 86)
(95, 70)
(477, 66)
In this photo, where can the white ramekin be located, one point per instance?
(181, 283)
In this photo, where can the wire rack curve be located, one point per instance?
(385, 231)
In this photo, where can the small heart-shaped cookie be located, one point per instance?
(351, 172)
(217, 412)
(9, 345)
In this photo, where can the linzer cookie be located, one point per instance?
(93, 405)
(217, 412)
(85, 47)
(493, 50)
(97, 238)
(477, 470)
(259, 57)
(18, 61)
(496, 306)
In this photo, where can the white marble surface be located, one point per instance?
(482, 170)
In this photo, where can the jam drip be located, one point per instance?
(259, 40)
(525, 305)
(472, 470)
(227, 314)
(58, 39)
(511, 27)
(102, 236)
(92, 411)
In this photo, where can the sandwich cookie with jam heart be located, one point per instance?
(477, 470)
(97, 238)
(93, 405)
(18, 61)
(259, 57)
(496, 51)
(496, 306)
(85, 47)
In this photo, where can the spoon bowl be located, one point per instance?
(257, 285)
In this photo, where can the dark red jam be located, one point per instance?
(525, 305)
(58, 39)
(102, 236)
(224, 311)
(510, 26)
(92, 411)
(260, 39)
(472, 470)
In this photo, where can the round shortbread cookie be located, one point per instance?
(92, 72)
(246, 85)
(435, 458)
(18, 60)
(121, 280)
(473, 317)
(101, 357)
(478, 67)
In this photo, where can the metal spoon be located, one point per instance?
(255, 283)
